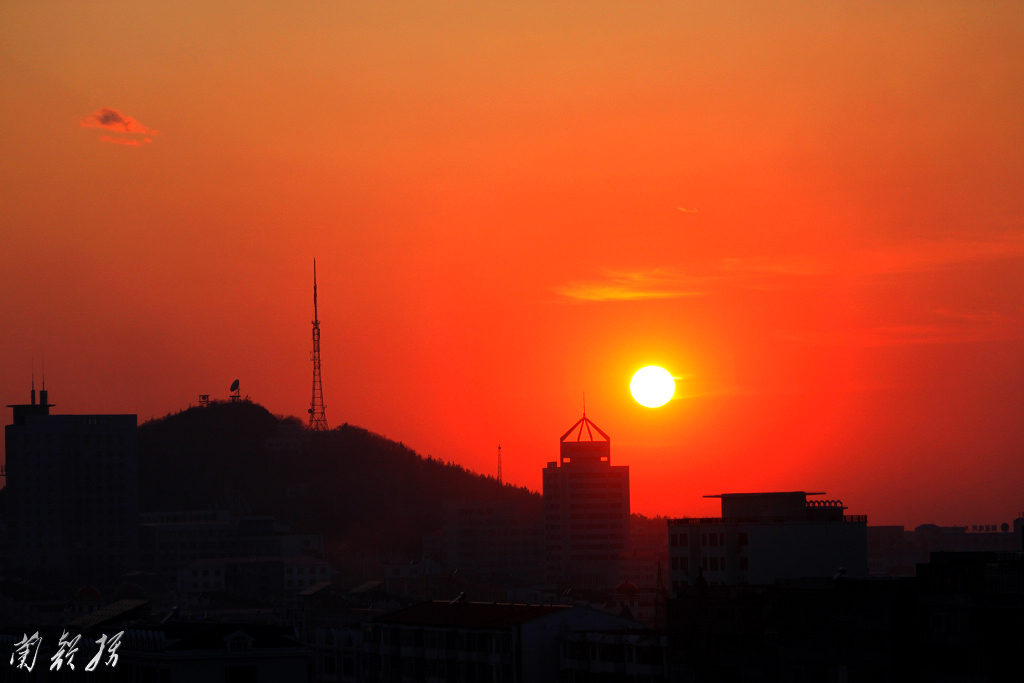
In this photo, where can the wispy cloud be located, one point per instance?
(112, 120)
(940, 327)
(685, 210)
(131, 142)
(632, 286)
(786, 272)
(903, 257)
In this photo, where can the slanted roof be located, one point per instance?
(216, 636)
(115, 612)
(585, 423)
(367, 587)
(484, 615)
(316, 588)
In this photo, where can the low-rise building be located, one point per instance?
(762, 537)
(467, 641)
(200, 652)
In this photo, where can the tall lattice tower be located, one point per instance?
(317, 418)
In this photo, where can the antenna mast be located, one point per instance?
(499, 463)
(317, 418)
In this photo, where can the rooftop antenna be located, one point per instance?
(317, 418)
(44, 398)
(33, 381)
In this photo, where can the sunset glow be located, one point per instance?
(812, 209)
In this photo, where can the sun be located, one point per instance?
(652, 386)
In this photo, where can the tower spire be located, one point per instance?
(44, 397)
(317, 418)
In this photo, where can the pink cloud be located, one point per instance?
(113, 120)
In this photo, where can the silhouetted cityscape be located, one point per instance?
(512, 341)
(223, 543)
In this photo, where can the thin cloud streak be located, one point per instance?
(945, 327)
(907, 257)
(131, 142)
(783, 272)
(633, 286)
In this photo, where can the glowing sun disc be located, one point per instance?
(652, 386)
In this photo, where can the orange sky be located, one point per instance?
(811, 213)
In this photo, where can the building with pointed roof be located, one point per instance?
(586, 510)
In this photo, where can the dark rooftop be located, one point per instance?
(469, 614)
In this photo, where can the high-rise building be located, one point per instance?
(72, 494)
(761, 537)
(586, 510)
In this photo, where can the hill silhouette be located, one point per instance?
(363, 492)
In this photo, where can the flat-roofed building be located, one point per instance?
(761, 537)
(472, 641)
(72, 494)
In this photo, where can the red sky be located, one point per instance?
(810, 213)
